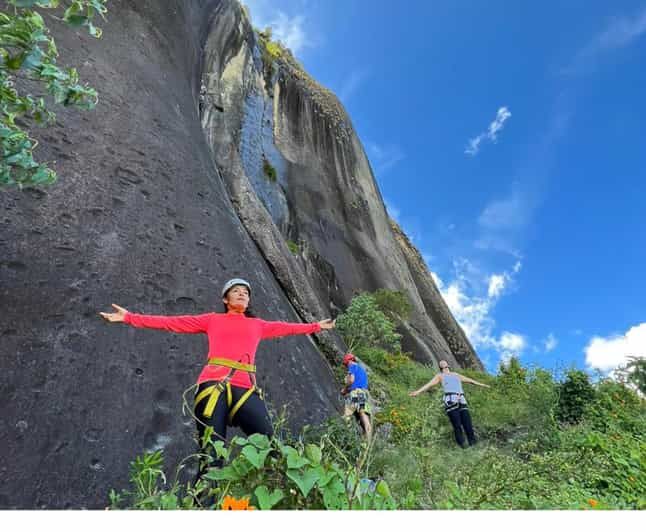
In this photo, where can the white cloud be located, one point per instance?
(508, 213)
(550, 343)
(289, 30)
(491, 134)
(496, 285)
(474, 312)
(608, 353)
(619, 33)
(438, 282)
(503, 221)
(511, 345)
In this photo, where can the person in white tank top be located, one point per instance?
(455, 404)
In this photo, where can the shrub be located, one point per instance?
(363, 325)
(268, 170)
(575, 395)
(293, 247)
(393, 303)
(266, 473)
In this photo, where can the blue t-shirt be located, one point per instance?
(360, 376)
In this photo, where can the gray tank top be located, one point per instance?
(452, 386)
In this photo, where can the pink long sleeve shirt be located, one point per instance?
(232, 336)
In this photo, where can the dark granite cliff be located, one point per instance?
(161, 198)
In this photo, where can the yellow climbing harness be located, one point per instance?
(213, 392)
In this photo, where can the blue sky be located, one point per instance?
(509, 141)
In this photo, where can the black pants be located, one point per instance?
(252, 417)
(460, 418)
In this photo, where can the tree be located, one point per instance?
(575, 394)
(634, 373)
(28, 57)
(364, 325)
(393, 303)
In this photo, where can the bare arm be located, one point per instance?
(349, 379)
(435, 380)
(471, 381)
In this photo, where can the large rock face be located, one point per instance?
(161, 198)
(296, 172)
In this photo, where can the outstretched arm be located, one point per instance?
(471, 381)
(179, 324)
(435, 380)
(275, 329)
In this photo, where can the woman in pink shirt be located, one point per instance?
(226, 388)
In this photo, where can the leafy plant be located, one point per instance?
(268, 170)
(363, 324)
(575, 394)
(269, 474)
(28, 57)
(393, 303)
(293, 247)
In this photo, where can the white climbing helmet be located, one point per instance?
(234, 282)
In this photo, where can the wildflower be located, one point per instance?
(231, 503)
(593, 502)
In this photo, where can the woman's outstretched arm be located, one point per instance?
(179, 324)
(471, 381)
(275, 329)
(435, 380)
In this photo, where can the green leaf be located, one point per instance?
(294, 459)
(220, 449)
(259, 440)
(256, 458)
(313, 452)
(239, 441)
(304, 480)
(31, 3)
(223, 473)
(383, 489)
(334, 496)
(267, 501)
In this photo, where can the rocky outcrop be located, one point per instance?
(296, 172)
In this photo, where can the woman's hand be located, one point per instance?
(117, 316)
(413, 394)
(327, 324)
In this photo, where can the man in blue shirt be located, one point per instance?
(357, 398)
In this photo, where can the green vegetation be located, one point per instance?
(393, 303)
(28, 57)
(268, 170)
(293, 247)
(265, 473)
(543, 444)
(365, 324)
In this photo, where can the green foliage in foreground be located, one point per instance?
(268, 473)
(525, 458)
(28, 56)
(543, 444)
